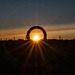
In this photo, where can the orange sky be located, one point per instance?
(66, 32)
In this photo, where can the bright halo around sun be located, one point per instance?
(36, 38)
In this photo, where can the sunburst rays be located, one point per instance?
(41, 52)
(30, 52)
(48, 45)
(32, 46)
(35, 46)
(27, 48)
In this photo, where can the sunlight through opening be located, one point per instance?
(36, 38)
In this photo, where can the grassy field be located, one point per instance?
(45, 57)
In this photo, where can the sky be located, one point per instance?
(57, 17)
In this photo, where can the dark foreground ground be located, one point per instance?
(46, 57)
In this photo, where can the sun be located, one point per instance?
(36, 38)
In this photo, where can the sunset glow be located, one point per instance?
(36, 38)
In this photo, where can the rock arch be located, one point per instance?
(36, 27)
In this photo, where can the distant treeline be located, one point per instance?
(42, 39)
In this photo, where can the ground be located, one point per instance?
(45, 57)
